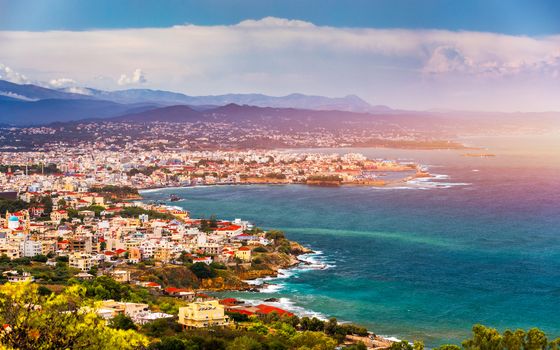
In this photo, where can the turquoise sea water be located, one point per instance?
(479, 245)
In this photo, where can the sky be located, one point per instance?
(411, 54)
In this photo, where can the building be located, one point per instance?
(111, 308)
(244, 254)
(81, 261)
(17, 278)
(164, 254)
(122, 276)
(203, 314)
(10, 250)
(59, 215)
(31, 248)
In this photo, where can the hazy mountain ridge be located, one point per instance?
(35, 105)
(29, 104)
(347, 103)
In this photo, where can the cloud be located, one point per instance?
(16, 96)
(398, 67)
(78, 90)
(446, 59)
(137, 77)
(269, 22)
(62, 82)
(7, 73)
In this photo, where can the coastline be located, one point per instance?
(303, 264)
(376, 183)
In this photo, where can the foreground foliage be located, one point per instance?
(33, 317)
(57, 321)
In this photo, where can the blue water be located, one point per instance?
(425, 262)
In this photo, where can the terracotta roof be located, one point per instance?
(267, 309)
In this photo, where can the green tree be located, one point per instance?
(555, 344)
(402, 345)
(514, 340)
(244, 343)
(122, 322)
(483, 338)
(535, 340)
(419, 345)
(202, 271)
(313, 340)
(448, 347)
(57, 321)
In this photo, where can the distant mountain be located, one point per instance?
(349, 103)
(282, 118)
(165, 114)
(29, 92)
(18, 112)
(32, 104)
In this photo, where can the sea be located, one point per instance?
(479, 242)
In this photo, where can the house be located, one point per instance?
(31, 248)
(164, 254)
(81, 261)
(87, 213)
(37, 211)
(10, 250)
(202, 314)
(205, 260)
(122, 276)
(180, 293)
(153, 285)
(244, 254)
(17, 278)
(229, 230)
(84, 276)
(144, 318)
(110, 308)
(59, 215)
(261, 309)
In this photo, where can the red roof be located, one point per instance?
(244, 249)
(172, 290)
(229, 228)
(228, 301)
(241, 311)
(152, 284)
(267, 309)
(120, 251)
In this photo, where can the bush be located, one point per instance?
(40, 258)
(122, 322)
(202, 271)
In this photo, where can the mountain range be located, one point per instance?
(30, 104)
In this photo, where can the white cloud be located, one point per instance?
(78, 90)
(62, 82)
(16, 96)
(274, 22)
(398, 67)
(137, 77)
(7, 73)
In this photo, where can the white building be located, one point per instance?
(30, 248)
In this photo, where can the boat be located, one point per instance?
(174, 198)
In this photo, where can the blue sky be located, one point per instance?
(471, 55)
(530, 17)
